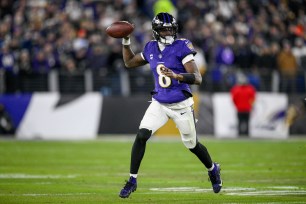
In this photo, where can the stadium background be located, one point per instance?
(55, 55)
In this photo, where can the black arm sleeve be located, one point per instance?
(188, 78)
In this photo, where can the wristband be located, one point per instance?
(188, 78)
(126, 41)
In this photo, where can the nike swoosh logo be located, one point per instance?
(183, 113)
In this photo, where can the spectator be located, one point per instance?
(70, 68)
(247, 28)
(8, 64)
(243, 96)
(40, 63)
(6, 8)
(80, 52)
(98, 60)
(299, 52)
(115, 58)
(52, 56)
(69, 77)
(164, 6)
(266, 63)
(288, 67)
(24, 63)
(243, 54)
(25, 69)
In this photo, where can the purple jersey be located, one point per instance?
(168, 90)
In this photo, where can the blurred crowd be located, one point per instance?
(255, 37)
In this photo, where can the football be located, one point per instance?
(120, 29)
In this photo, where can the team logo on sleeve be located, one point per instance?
(190, 46)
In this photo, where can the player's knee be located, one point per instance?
(190, 143)
(143, 134)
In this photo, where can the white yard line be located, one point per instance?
(240, 191)
(35, 176)
(284, 187)
(273, 180)
(45, 194)
(292, 202)
(269, 193)
(181, 189)
(197, 189)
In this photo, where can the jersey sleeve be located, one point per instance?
(145, 52)
(187, 58)
(187, 48)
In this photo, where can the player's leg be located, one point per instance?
(240, 123)
(244, 123)
(247, 123)
(137, 154)
(138, 150)
(185, 122)
(153, 119)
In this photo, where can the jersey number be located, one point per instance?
(163, 80)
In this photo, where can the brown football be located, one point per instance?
(120, 29)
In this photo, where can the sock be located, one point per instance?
(138, 149)
(211, 168)
(201, 152)
(133, 175)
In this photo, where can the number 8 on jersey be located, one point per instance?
(163, 80)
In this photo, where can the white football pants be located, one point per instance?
(181, 113)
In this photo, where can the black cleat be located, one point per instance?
(215, 178)
(128, 188)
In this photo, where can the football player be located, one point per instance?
(172, 63)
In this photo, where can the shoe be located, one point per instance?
(128, 188)
(215, 178)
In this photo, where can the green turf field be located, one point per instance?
(253, 171)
